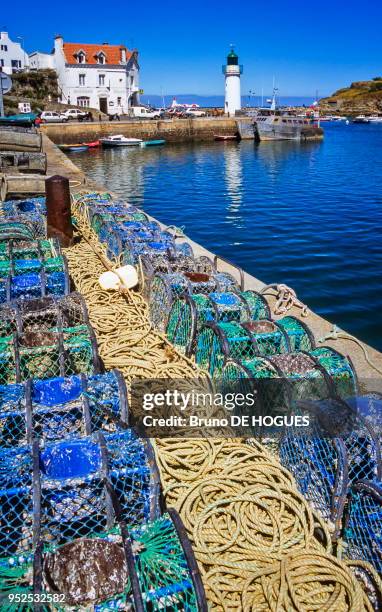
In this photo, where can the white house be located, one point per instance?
(38, 60)
(102, 76)
(12, 56)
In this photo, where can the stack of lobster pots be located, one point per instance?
(82, 520)
(229, 331)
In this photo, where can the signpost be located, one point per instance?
(5, 87)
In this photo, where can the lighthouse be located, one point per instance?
(232, 72)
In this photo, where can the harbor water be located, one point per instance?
(305, 214)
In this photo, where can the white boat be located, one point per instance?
(118, 140)
(375, 119)
(361, 119)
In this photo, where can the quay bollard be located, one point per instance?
(59, 222)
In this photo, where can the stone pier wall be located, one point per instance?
(172, 130)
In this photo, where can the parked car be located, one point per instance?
(52, 117)
(75, 113)
(141, 112)
(194, 112)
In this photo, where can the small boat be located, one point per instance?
(225, 137)
(22, 119)
(152, 143)
(120, 141)
(92, 145)
(73, 147)
(361, 119)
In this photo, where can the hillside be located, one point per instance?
(361, 97)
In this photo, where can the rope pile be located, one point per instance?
(258, 543)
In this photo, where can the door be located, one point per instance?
(103, 105)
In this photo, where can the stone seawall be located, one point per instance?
(172, 130)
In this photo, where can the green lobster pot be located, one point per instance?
(47, 354)
(299, 334)
(339, 368)
(189, 313)
(306, 377)
(217, 341)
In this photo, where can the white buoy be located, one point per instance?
(232, 72)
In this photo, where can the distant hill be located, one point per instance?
(361, 97)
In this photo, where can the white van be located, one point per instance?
(141, 112)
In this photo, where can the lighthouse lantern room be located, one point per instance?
(232, 72)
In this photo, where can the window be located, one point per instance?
(81, 79)
(83, 101)
(81, 57)
(101, 80)
(101, 58)
(16, 63)
(4, 47)
(1, 63)
(119, 101)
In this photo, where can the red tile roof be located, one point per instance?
(113, 53)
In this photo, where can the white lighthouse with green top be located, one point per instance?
(232, 71)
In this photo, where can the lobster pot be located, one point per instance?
(339, 368)
(13, 250)
(113, 214)
(13, 208)
(26, 227)
(306, 378)
(47, 354)
(33, 278)
(319, 467)
(43, 314)
(149, 568)
(61, 408)
(153, 263)
(189, 313)
(164, 288)
(257, 376)
(86, 202)
(299, 335)
(362, 532)
(217, 341)
(75, 484)
(369, 408)
(124, 235)
(340, 450)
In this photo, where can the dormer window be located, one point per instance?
(101, 58)
(81, 57)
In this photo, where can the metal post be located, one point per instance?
(59, 220)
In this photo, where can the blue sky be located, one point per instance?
(308, 46)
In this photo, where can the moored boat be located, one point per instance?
(118, 140)
(361, 119)
(73, 147)
(92, 145)
(225, 137)
(153, 143)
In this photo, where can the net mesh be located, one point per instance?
(62, 408)
(363, 525)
